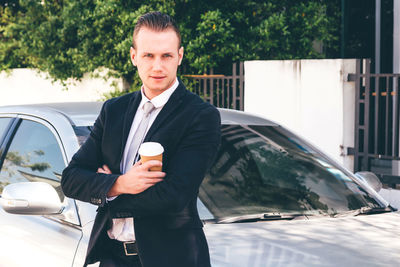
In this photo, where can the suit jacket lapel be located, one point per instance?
(128, 119)
(173, 103)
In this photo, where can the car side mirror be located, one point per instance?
(31, 198)
(371, 179)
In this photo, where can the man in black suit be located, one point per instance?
(148, 218)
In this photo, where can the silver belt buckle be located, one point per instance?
(126, 250)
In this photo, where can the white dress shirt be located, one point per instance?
(122, 228)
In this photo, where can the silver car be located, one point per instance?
(270, 198)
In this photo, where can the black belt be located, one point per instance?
(120, 248)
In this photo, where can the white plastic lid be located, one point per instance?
(150, 149)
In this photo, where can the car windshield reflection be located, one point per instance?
(266, 169)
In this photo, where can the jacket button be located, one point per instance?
(95, 200)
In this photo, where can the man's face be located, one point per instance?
(156, 56)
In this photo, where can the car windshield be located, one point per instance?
(266, 169)
(82, 133)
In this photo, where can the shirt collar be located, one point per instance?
(160, 100)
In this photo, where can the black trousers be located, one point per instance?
(116, 262)
(115, 256)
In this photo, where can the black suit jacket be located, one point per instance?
(167, 226)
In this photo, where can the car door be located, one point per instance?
(31, 152)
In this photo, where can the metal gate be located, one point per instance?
(220, 90)
(377, 123)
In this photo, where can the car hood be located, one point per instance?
(369, 240)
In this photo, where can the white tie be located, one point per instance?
(140, 133)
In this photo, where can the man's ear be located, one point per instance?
(180, 55)
(133, 56)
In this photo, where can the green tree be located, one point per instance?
(213, 42)
(252, 30)
(68, 38)
(12, 54)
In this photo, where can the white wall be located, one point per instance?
(310, 97)
(27, 86)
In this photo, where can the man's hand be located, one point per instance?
(104, 169)
(136, 180)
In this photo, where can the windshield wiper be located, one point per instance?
(365, 211)
(260, 217)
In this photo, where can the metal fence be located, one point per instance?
(220, 90)
(377, 123)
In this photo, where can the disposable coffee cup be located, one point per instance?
(151, 151)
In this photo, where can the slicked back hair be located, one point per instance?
(158, 22)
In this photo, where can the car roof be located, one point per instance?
(85, 113)
(231, 116)
(78, 113)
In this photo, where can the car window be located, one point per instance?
(266, 169)
(33, 156)
(3, 127)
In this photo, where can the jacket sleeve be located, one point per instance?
(80, 180)
(185, 172)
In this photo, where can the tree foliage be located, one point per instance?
(12, 54)
(68, 38)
